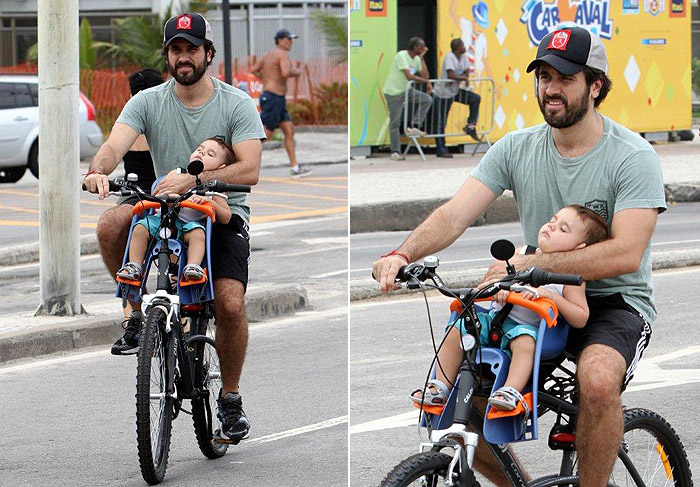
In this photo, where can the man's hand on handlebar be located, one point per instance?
(174, 183)
(385, 270)
(97, 183)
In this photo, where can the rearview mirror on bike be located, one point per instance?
(195, 167)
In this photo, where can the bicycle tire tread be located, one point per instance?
(420, 463)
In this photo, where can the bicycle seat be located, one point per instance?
(551, 340)
(189, 292)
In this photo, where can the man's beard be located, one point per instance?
(192, 77)
(573, 113)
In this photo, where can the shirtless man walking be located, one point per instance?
(274, 68)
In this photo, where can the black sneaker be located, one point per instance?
(128, 344)
(234, 422)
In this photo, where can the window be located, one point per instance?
(23, 97)
(7, 96)
(34, 90)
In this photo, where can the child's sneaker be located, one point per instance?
(192, 272)
(131, 271)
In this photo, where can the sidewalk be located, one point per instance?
(24, 335)
(388, 195)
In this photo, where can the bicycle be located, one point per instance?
(651, 452)
(177, 357)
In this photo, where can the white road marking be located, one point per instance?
(314, 251)
(300, 431)
(300, 317)
(260, 234)
(398, 421)
(329, 274)
(53, 361)
(673, 242)
(330, 240)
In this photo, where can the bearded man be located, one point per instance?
(577, 156)
(176, 117)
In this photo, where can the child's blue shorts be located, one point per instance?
(511, 329)
(152, 222)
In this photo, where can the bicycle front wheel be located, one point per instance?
(154, 397)
(204, 409)
(651, 453)
(428, 469)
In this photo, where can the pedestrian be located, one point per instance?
(176, 117)
(274, 69)
(408, 65)
(137, 159)
(455, 68)
(578, 156)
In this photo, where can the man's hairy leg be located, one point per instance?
(288, 131)
(231, 331)
(484, 461)
(112, 233)
(600, 372)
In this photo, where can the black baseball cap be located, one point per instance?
(285, 34)
(570, 50)
(192, 27)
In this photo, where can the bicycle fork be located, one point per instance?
(456, 436)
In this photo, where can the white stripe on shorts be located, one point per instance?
(641, 345)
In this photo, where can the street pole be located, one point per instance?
(59, 158)
(227, 40)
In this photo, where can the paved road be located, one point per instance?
(677, 228)
(307, 250)
(71, 420)
(390, 354)
(275, 198)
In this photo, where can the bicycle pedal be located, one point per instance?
(220, 439)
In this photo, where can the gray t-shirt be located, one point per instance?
(449, 89)
(174, 131)
(622, 171)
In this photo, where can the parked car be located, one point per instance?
(19, 127)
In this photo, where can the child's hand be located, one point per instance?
(501, 297)
(195, 198)
(529, 295)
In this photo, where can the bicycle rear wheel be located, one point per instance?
(204, 415)
(653, 451)
(154, 397)
(427, 469)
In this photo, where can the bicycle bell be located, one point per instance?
(431, 262)
(132, 177)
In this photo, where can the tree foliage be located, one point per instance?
(335, 30)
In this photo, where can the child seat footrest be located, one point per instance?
(519, 409)
(130, 282)
(430, 408)
(193, 282)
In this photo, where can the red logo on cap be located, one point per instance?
(184, 22)
(559, 40)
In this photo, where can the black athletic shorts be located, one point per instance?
(273, 110)
(614, 323)
(230, 250)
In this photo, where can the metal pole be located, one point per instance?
(227, 40)
(59, 158)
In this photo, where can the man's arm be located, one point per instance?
(413, 77)
(451, 75)
(286, 68)
(246, 170)
(257, 67)
(438, 231)
(622, 253)
(107, 158)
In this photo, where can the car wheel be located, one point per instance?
(12, 175)
(34, 159)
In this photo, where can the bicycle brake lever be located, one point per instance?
(518, 288)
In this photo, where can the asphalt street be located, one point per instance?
(677, 228)
(310, 250)
(71, 420)
(390, 353)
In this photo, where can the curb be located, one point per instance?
(367, 288)
(407, 215)
(263, 303)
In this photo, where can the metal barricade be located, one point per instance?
(444, 112)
